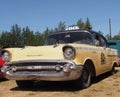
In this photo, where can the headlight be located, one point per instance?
(69, 52)
(6, 56)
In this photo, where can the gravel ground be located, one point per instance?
(103, 86)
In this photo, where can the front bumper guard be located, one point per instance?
(70, 71)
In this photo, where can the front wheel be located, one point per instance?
(24, 84)
(85, 79)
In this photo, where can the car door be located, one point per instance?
(104, 60)
(104, 54)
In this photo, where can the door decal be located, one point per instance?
(103, 59)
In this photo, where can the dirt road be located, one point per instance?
(103, 86)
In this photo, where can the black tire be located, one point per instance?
(113, 71)
(85, 79)
(23, 84)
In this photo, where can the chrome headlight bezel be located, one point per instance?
(6, 56)
(69, 52)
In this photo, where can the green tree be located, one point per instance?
(5, 39)
(38, 39)
(46, 33)
(15, 36)
(84, 25)
(61, 27)
(88, 24)
(27, 36)
(116, 37)
(80, 24)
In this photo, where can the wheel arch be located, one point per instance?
(89, 63)
(115, 64)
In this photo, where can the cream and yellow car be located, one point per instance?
(71, 55)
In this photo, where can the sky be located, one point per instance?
(40, 14)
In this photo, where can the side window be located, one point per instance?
(97, 39)
(100, 41)
(88, 39)
(103, 42)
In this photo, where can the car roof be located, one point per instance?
(72, 31)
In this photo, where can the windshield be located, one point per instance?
(74, 37)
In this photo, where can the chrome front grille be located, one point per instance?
(35, 68)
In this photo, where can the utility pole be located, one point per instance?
(110, 28)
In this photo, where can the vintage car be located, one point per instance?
(1, 64)
(115, 44)
(72, 55)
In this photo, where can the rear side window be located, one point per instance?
(113, 43)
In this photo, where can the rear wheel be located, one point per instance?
(113, 71)
(24, 84)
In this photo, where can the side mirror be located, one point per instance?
(97, 43)
(111, 43)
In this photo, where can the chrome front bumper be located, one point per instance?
(47, 70)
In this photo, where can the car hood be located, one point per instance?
(38, 53)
